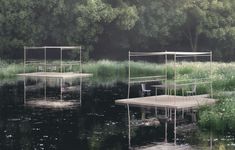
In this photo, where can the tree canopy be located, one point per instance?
(117, 25)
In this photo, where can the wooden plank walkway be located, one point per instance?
(55, 75)
(168, 101)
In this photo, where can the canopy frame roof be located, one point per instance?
(165, 54)
(169, 53)
(46, 67)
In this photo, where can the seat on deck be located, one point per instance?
(193, 91)
(144, 90)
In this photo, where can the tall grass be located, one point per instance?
(106, 71)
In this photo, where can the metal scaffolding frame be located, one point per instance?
(166, 55)
(164, 78)
(61, 75)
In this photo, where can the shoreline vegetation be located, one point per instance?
(106, 72)
(219, 118)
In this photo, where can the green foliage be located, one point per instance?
(58, 22)
(206, 24)
(209, 18)
(220, 117)
(159, 18)
(112, 71)
(127, 17)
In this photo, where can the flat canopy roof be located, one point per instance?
(55, 75)
(169, 53)
(168, 101)
(53, 47)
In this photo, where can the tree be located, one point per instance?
(159, 19)
(14, 25)
(212, 19)
(59, 22)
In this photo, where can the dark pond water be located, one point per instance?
(98, 124)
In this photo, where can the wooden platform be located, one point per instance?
(52, 103)
(165, 146)
(168, 101)
(55, 75)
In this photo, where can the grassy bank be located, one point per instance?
(105, 71)
(220, 117)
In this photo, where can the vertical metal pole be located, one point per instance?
(166, 88)
(166, 125)
(170, 113)
(175, 74)
(45, 59)
(156, 112)
(155, 101)
(61, 57)
(129, 74)
(182, 113)
(45, 67)
(24, 76)
(129, 126)
(175, 128)
(211, 74)
(80, 59)
(61, 92)
(211, 140)
(80, 91)
(81, 77)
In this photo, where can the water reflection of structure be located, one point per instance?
(169, 105)
(47, 71)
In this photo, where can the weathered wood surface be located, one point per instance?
(55, 75)
(168, 101)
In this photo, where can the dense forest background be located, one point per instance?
(110, 28)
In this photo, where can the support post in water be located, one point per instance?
(175, 127)
(166, 118)
(129, 126)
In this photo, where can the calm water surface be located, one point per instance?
(98, 124)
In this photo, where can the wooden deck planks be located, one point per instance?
(168, 101)
(55, 75)
(166, 146)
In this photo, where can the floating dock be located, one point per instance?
(165, 146)
(168, 101)
(63, 75)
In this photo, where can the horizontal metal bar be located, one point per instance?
(169, 53)
(193, 79)
(53, 47)
(180, 56)
(193, 83)
(145, 81)
(147, 77)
